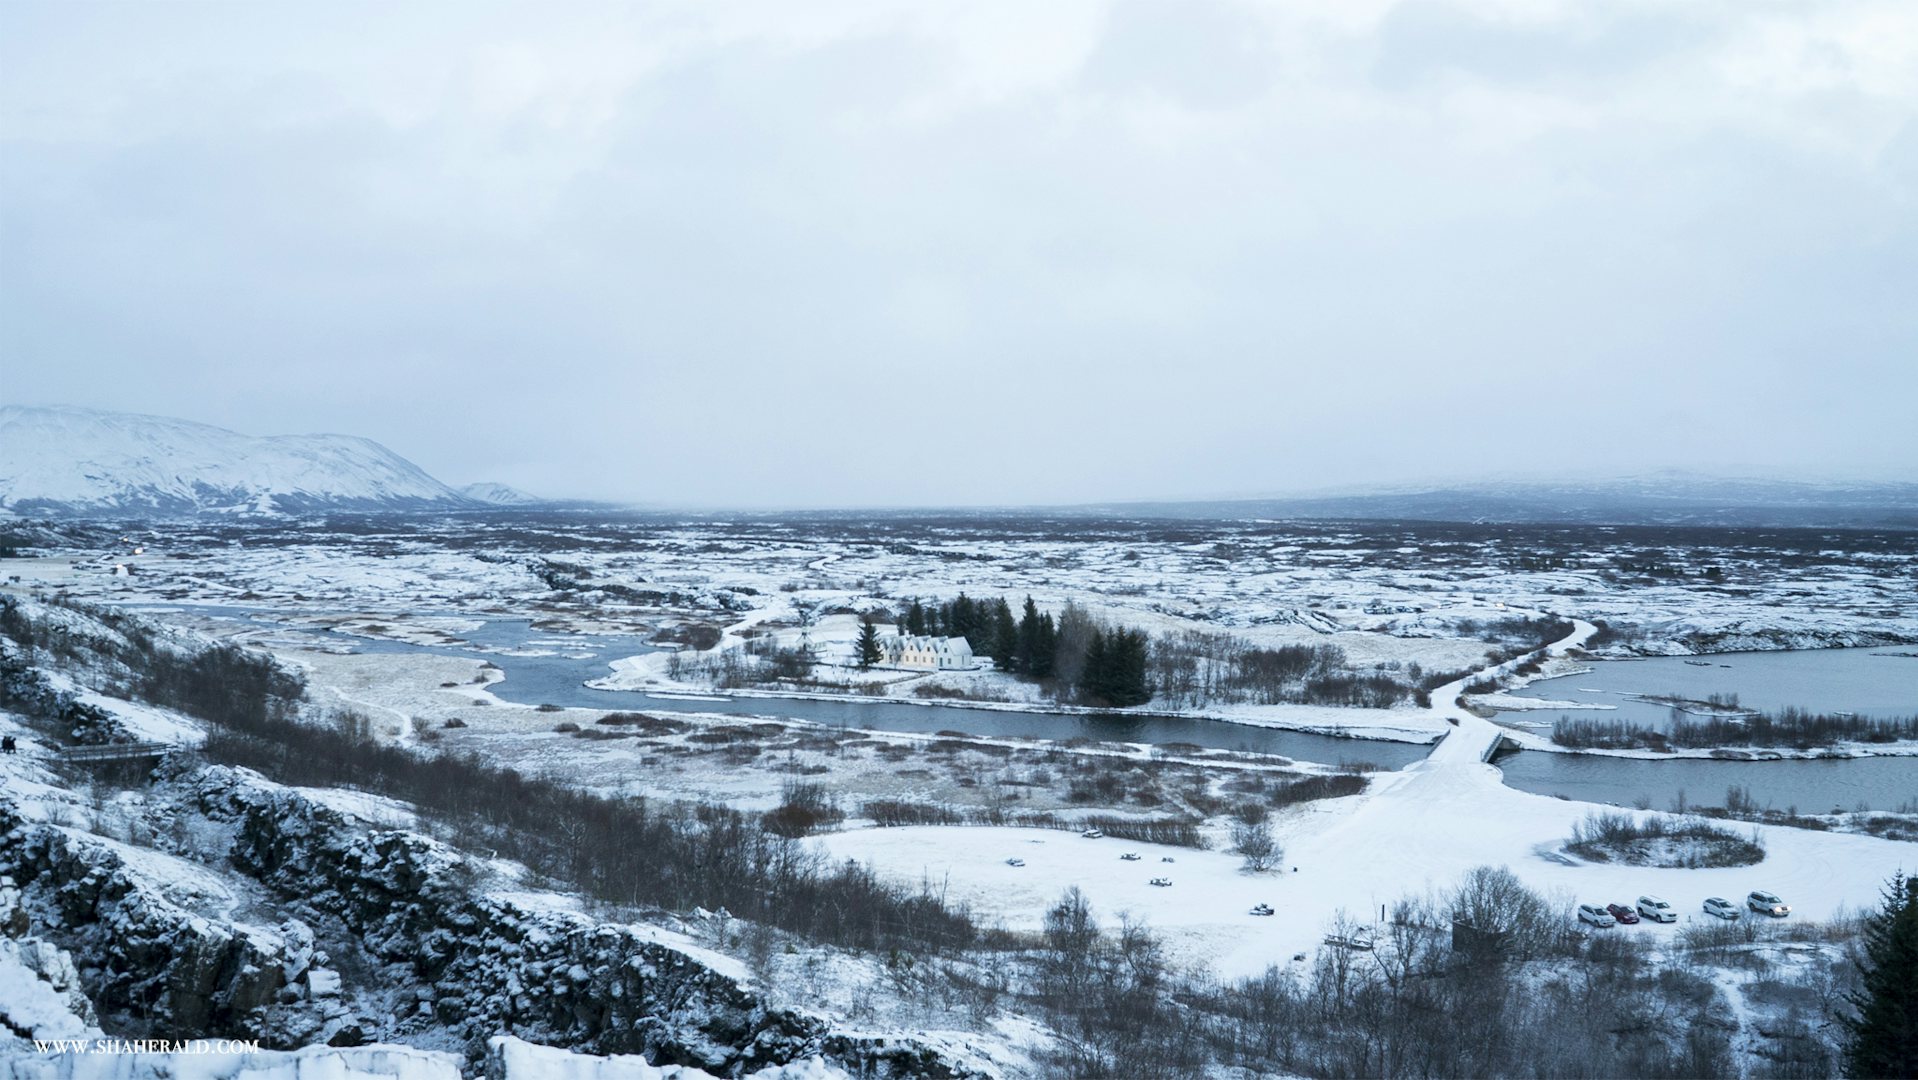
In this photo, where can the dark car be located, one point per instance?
(1622, 913)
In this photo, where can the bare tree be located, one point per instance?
(1254, 841)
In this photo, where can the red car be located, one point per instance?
(1622, 913)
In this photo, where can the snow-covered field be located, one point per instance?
(1388, 597)
(1416, 832)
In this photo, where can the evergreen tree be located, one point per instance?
(1094, 678)
(1005, 633)
(962, 620)
(1884, 1033)
(869, 652)
(1028, 634)
(916, 619)
(1125, 669)
(1113, 672)
(1045, 649)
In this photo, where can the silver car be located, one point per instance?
(1722, 908)
(1597, 916)
(1767, 904)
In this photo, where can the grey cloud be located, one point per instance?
(758, 267)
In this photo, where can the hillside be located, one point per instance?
(68, 461)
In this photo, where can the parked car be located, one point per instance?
(1015, 862)
(1651, 907)
(1261, 909)
(1597, 916)
(1166, 858)
(1130, 856)
(1722, 908)
(1092, 834)
(1767, 904)
(1622, 913)
(1352, 939)
(1162, 882)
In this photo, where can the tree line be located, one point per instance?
(1095, 663)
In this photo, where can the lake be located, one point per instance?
(1866, 682)
(1815, 786)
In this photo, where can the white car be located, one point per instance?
(1130, 856)
(1356, 939)
(1092, 834)
(1162, 882)
(1651, 907)
(1768, 904)
(1596, 915)
(1722, 908)
(1015, 862)
(1262, 909)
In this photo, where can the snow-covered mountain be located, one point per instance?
(494, 494)
(68, 461)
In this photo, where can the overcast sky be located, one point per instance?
(913, 253)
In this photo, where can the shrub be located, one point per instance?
(645, 725)
(1662, 841)
(804, 809)
(1254, 841)
(1312, 788)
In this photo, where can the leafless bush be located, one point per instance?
(1254, 841)
(804, 809)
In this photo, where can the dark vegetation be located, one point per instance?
(1177, 832)
(1793, 728)
(1520, 633)
(1656, 840)
(803, 809)
(1883, 1026)
(1193, 669)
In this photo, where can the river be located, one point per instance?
(552, 669)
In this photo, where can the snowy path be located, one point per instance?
(1474, 739)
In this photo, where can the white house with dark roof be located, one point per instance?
(916, 653)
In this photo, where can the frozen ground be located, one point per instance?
(1413, 831)
(1386, 595)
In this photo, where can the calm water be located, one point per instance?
(1811, 787)
(1867, 682)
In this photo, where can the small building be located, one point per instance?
(916, 653)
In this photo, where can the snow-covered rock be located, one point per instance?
(40, 994)
(490, 963)
(70, 461)
(181, 969)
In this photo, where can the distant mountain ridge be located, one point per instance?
(1670, 498)
(65, 461)
(493, 494)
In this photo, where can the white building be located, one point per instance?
(927, 653)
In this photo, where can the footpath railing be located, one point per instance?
(88, 755)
